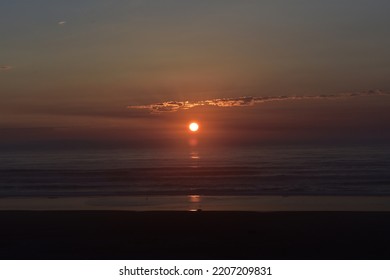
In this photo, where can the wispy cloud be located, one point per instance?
(61, 22)
(5, 67)
(174, 106)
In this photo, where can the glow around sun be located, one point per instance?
(194, 127)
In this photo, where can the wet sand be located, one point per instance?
(193, 235)
(195, 202)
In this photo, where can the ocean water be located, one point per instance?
(281, 171)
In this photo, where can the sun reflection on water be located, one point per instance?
(194, 155)
(195, 203)
(194, 198)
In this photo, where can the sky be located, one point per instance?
(79, 72)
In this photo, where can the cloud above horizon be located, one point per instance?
(5, 67)
(174, 106)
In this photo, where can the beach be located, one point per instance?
(252, 203)
(195, 130)
(194, 235)
(198, 202)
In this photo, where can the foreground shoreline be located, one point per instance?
(193, 235)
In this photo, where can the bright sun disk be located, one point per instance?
(193, 127)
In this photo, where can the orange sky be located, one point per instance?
(68, 71)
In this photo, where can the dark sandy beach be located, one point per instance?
(194, 235)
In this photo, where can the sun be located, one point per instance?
(194, 127)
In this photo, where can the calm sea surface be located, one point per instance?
(248, 172)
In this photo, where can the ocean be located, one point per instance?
(250, 171)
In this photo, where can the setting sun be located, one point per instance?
(193, 127)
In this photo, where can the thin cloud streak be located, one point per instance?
(5, 67)
(174, 106)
